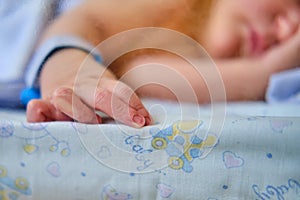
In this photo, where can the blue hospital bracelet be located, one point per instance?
(43, 53)
(28, 94)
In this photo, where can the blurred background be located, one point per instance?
(21, 24)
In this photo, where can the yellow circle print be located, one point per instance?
(159, 143)
(175, 162)
(21, 183)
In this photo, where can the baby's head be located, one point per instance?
(249, 27)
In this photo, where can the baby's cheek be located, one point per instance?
(225, 46)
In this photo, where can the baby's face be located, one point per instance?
(249, 27)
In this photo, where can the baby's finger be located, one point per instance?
(124, 93)
(112, 105)
(67, 102)
(39, 110)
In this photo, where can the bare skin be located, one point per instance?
(67, 97)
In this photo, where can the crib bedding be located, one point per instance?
(250, 152)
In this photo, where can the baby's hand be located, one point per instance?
(285, 55)
(78, 96)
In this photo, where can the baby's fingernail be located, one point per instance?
(138, 120)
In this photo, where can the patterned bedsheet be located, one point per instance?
(250, 152)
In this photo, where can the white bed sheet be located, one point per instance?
(254, 156)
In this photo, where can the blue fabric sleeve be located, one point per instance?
(284, 87)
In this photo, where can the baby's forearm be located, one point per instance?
(76, 22)
(96, 20)
(164, 75)
(244, 79)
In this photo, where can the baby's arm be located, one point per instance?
(244, 78)
(61, 98)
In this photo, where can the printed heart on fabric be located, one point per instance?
(165, 191)
(54, 169)
(231, 160)
(104, 152)
(278, 125)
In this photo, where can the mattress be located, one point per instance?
(241, 150)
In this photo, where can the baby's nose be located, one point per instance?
(287, 25)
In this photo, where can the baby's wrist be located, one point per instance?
(46, 51)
